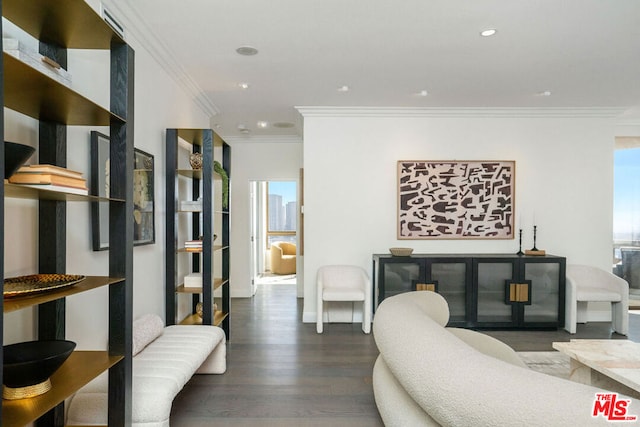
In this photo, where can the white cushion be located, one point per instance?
(597, 294)
(342, 294)
(145, 329)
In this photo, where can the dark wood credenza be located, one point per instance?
(501, 291)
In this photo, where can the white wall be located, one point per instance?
(564, 176)
(255, 161)
(159, 104)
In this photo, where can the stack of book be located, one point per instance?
(50, 177)
(193, 245)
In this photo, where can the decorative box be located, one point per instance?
(39, 62)
(193, 280)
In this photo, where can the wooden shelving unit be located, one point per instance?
(21, 192)
(60, 25)
(91, 282)
(194, 319)
(27, 90)
(216, 284)
(213, 259)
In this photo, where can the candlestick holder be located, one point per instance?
(520, 253)
(535, 251)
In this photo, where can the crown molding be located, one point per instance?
(129, 18)
(632, 122)
(308, 111)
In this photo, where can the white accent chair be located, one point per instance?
(585, 284)
(344, 283)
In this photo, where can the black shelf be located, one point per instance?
(213, 260)
(59, 25)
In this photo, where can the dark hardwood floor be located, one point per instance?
(280, 372)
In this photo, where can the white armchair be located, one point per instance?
(344, 283)
(586, 283)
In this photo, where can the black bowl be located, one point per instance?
(32, 362)
(14, 156)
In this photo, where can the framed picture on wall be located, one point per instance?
(99, 186)
(456, 199)
(143, 204)
(143, 194)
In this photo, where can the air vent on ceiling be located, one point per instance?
(109, 19)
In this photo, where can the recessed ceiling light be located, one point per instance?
(262, 124)
(343, 88)
(423, 92)
(488, 32)
(242, 128)
(544, 93)
(247, 50)
(243, 85)
(283, 125)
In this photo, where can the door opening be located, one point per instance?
(274, 216)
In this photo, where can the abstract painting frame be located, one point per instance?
(99, 186)
(144, 231)
(143, 194)
(453, 199)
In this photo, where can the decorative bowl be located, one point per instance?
(14, 156)
(195, 160)
(401, 251)
(28, 366)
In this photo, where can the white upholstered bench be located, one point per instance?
(164, 361)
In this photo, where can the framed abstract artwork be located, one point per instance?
(143, 194)
(456, 199)
(144, 232)
(99, 186)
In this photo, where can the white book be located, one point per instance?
(57, 188)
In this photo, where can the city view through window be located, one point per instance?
(282, 212)
(626, 198)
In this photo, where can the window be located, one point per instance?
(626, 198)
(282, 212)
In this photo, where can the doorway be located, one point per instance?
(274, 236)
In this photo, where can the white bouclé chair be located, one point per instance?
(344, 283)
(591, 284)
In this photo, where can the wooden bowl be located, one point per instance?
(401, 251)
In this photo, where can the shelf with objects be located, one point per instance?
(483, 290)
(197, 228)
(33, 89)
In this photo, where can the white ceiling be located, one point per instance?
(585, 52)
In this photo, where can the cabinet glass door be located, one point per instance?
(492, 278)
(451, 278)
(545, 292)
(398, 277)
